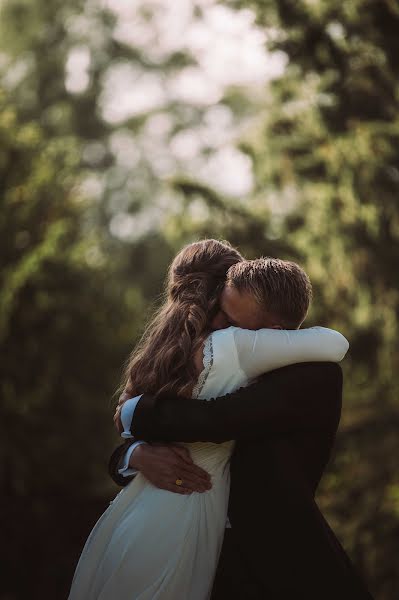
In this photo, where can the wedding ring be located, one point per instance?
(179, 482)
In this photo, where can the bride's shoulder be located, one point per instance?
(226, 333)
(218, 337)
(223, 338)
(231, 335)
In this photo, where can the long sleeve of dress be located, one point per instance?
(268, 349)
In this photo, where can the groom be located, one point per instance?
(279, 546)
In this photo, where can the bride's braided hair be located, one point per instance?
(163, 361)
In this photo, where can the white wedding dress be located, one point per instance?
(153, 544)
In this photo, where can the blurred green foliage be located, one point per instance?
(74, 296)
(329, 149)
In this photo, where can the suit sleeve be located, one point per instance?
(115, 463)
(281, 401)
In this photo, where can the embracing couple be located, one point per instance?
(200, 515)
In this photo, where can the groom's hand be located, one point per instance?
(163, 465)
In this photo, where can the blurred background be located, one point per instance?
(131, 127)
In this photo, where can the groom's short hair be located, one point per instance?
(281, 288)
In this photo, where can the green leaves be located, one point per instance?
(94, 204)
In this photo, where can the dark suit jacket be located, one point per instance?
(285, 425)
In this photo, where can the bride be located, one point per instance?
(151, 543)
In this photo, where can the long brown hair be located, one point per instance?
(163, 360)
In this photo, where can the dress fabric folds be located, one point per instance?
(151, 544)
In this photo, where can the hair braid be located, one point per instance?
(163, 360)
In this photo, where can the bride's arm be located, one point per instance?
(268, 349)
(126, 415)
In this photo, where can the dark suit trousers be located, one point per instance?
(282, 543)
(233, 580)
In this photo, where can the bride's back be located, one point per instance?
(221, 374)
